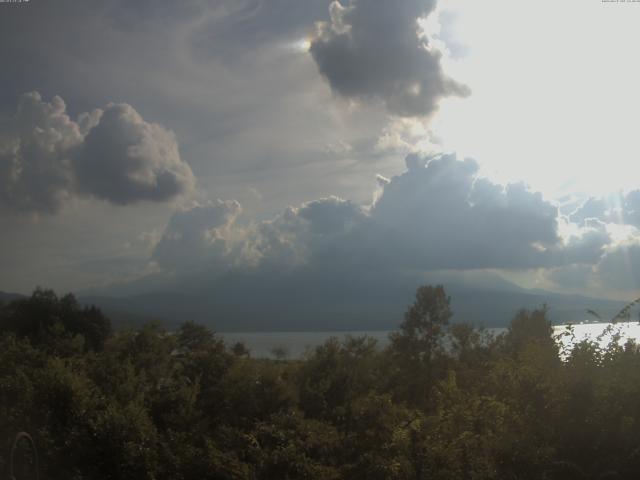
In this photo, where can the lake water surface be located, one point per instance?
(295, 344)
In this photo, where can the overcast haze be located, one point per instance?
(154, 145)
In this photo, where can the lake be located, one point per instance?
(295, 344)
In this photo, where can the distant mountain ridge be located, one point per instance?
(306, 302)
(489, 301)
(6, 297)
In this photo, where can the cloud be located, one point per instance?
(215, 73)
(620, 268)
(124, 159)
(586, 245)
(441, 214)
(35, 155)
(373, 50)
(617, 272)
(574, 277)
(198, 235)
(403, 136)
(46, 158)
(619, 208)
(209, 236)
(316, 233)
(438, 214)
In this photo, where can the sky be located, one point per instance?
(153, 143)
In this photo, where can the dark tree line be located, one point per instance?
(440, 402)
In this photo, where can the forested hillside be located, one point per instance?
(151, 404)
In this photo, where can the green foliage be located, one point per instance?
(530, 327)
(424, 325)
(55, 323)
(239, 349)
(415, 348)
(441, 402)
(293, 447)
(336, 374)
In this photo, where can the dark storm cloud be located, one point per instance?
(372, 50)
(439, 214)
(46, 158)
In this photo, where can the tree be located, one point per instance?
(280, 353)
(45, 319)
(239, 349)
(194, 337)
(424, 324)
(531, 327)
(419, 339)
(337, 373)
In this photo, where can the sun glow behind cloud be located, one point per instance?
(555, 93)
(301, 45)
